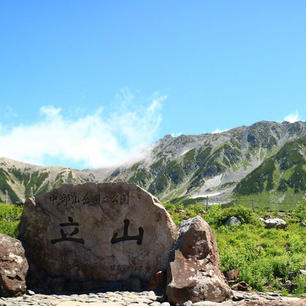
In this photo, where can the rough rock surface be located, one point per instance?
(242, 286)
(13, 267)
(232, 221)
(146, 298)
(194, 274)
(95, 232)
(275, 223)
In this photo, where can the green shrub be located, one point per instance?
(9, 219)
(300, 211)
(218, 215)
(300, 281)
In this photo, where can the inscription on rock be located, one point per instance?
(97, 232)
(125, 236)
(68, 236)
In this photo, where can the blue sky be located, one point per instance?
(91, 83)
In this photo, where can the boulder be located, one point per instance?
(95, 233)
(194, 272)
(232, 221)
(275, 223)
(13, 267)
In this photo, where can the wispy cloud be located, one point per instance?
(93, 140)
(293, 117)
(176, 134)
(218, 131)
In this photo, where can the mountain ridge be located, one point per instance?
(183, 167)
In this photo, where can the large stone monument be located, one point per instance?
(95, 232)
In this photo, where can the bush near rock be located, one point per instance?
(194, 272)
(13, 267)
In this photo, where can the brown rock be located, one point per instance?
(13, 267)
(242, 286)
(104, 232)
(194, 274)
(232, 275)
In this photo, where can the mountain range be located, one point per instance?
(264, 162)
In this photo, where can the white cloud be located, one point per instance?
(93, 140)
(176, 134)
(218, 131)
(50, 111)
(293, 117)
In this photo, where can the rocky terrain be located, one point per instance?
(145, 298)
(264, 158)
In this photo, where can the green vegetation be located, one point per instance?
(264, 257)
(5, 187)
(175, 172)
(282, 175)
(33, 183)
(276, 200)
(188, 160)
(140, 177)
(9, 219)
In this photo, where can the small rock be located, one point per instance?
(30, 292)
(188, 303)
(165, 304)
(303, 272)
(289, 286)
(303, 224)
(155, 304)
(232, 275)
(237, 296)
(208, 303)
(242, 286)
(232, 221)
(292, 275)
(275, 223)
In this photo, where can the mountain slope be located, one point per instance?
(209, 164)
(280, 178)
(20, 180)
(187, 166)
